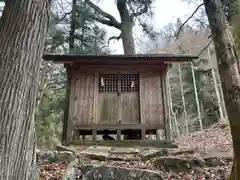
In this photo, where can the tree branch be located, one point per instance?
(115, 38)
(201, 22)
(205, 48)
(111, 20)
(106, 22)
(194, 12)
(140, 12)
(65, 15)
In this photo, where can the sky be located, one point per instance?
(165, 11)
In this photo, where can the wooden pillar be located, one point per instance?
(94, 134)
(83, 137)
(66, 133)
(119, 131)
(76, 135)
(118, 134)
(165, 103)
(143, 134)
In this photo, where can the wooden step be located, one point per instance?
(127, 143)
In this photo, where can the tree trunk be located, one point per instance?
(228, 68)
(233, 11)
(215, 84)
(127, 39)
(126, 28)
(23, 30)
(171, 110)
(196, 97)
(73, 27)
(183, 99)
(176, 123)
(222, 97)
(45, 68)
(169, 99)
(217, 94)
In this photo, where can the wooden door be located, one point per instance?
(108, 109)
(118, 98)
(129, 97)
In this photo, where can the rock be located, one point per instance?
(46, 157)
(70, 172)
(222, 123)
(96, 152)
(65, 156)
(183, 151)
(107, 172)
(65, 148)
(103, 153)
(120, 150)
(212, 160)
(188, 162)
(177, 164)
(151, 153)
(124, 157)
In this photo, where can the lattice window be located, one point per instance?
(129, 82)
(108, 83)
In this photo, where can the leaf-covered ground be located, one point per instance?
(52, 171)
(217, 138)
(213, 146)
(215, 141)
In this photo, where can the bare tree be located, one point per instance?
(21, 48)
(172, 114)
(130, 11)
(215, 84)
(183, 99)
(196, 97)
(184, 45)
(169, 104)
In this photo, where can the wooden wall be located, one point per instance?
(151, 100)
(84, 100)
(81, 108)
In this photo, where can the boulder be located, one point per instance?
(189, 162)
(46, 157)
(177, 164)
(108, 172)
(103, 153)
(65, 156)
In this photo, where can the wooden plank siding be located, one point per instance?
(130, 110)
(108, 108)
(151, 101)
(86, 103)
(81, 110)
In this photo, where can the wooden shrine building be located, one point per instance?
(116, 93)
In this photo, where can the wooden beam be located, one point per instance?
(119, 126)
(174, 62)
(66, 109)
(128, 143)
